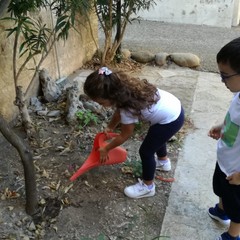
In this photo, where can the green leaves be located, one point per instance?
(134, 167)
(35, 34)
(21, 7)
(128, 7)
(117, 13)
(36, 37)
(86, 117)
(62, 27)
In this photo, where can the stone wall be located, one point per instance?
(218, 13)
(64, 59)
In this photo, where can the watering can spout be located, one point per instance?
(115, 156)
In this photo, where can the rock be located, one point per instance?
(161, 58)
(42, 112)
(73, 103)
(61, 82)
(31, 226)
(92, 106)
(143, 56)
(24, 237)
(126, 53)
(54, 113)
(19, 223)
(51, 90)
(185, 59)
(34, 102)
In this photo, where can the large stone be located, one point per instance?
(51, 90)
(143, 56)
(126, 53)
(73, 103)
(161, 58)
(185, 59)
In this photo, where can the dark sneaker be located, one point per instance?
(219, 215)
(226, 236)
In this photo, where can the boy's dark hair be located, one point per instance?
(230, 54)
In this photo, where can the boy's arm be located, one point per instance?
(234, 178)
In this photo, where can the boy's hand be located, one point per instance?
(215, 132)
(234, 179)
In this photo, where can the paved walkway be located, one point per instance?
(191, 195)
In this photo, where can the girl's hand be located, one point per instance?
(103, 154)
(126, 132)
(234, 179)
(215, 132)
(107, 130)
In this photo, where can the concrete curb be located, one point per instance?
(191, 195)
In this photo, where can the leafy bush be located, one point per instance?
(86, 117)
(135, 167)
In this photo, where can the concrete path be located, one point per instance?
(191, 195)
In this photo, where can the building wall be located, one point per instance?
(64, 59)
(219, 13)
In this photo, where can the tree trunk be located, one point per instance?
(28, 166)
(118, 34)
(107, 47)
(20, 102)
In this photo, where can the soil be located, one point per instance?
(93, 206)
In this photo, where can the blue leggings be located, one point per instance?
(155, 142)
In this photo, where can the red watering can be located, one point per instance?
(116, 155)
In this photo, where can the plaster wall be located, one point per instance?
(219, 13)
(64, 59)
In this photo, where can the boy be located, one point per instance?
(226, 178)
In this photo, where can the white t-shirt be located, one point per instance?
(228, 147)
(166, 110)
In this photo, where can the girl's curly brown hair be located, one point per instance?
(121, 90)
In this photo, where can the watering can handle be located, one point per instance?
(112, 134)
(102, 137)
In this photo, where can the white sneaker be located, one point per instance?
(139, 190)
(163, 166)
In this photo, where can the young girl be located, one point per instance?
(136, 100)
